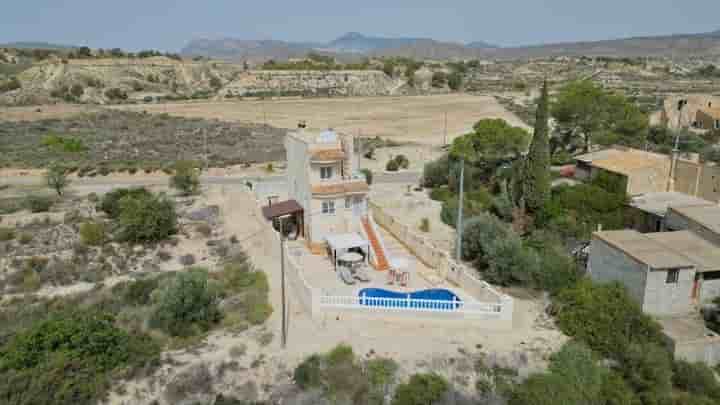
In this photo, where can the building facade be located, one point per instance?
(323, 178)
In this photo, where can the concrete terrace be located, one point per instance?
(318, 271)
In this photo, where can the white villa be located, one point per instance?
(337, 257)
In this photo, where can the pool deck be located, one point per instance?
(319, 272)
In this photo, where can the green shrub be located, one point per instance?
(65, 144)
(240, 277)
(605, 317)
(574, 377)
(425, 225)
(402, 161)
(647, 368)
(147, 218)
(695, 378)
(308, 373)
(436, 173)
(337, 373)
(368, 175)
(92, 233)
(116, 94)
(185, 178)
(441, 194)
(10, 85)
(188, 305)
(139, 292)
(392, 166)
(69, 359)
(25, 238)
(7, 234)
(111, 201)
(421, 389)
(37, 203)
(479, 232)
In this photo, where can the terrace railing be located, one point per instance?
(382, 304)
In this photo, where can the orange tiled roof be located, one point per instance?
(327, 155)
(359, 186)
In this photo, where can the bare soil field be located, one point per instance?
(411, 119)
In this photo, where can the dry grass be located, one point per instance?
(418, 119)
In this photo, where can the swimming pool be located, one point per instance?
(436, 298)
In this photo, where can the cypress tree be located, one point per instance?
(535, 180)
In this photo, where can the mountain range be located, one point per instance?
(353, 45)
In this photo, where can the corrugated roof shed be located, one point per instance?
(707, 215)
(701, 252)
(644, 249)
(659, 202)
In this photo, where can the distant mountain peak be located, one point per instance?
(351, 36)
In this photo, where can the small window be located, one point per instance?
(348, 202)
(711, 275)
(672, 277)
(328, 207)
(326, 172)
(717, 124)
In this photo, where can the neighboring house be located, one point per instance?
(644, 172)
(648, 211)
(669, 274)
(703, 220)
(323, 179)
(708, 118)
(647, 172)
(659, 279)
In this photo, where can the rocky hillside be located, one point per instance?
(104, 81)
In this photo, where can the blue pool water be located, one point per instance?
(440, 299)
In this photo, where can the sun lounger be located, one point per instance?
(345, 275)
(361, 275)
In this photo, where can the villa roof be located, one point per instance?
(359, 186)
(327, 155)
(645, 250)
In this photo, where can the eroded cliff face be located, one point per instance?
(101, 81)
(312, 83)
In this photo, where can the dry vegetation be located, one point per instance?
(100, 142)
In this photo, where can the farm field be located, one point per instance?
(418, 119)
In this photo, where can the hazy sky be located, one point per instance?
(168, 25)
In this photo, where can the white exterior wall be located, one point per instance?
(343, 221)
(662, 298)
(298, 165)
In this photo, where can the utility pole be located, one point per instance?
(458, 226)
(206, 149)
(676, 149)
(445, 141)
(282, 282)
